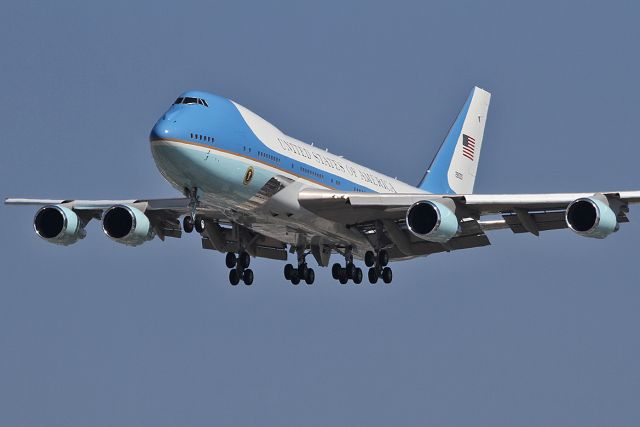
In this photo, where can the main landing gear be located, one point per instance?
(303, 272)
(239, 268)
(348, 272)
(377, 264)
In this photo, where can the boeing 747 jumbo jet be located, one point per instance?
(252, 191)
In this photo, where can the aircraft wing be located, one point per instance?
(164, 216)
(163, 213)
(521, 213)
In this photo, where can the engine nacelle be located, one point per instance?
(58, 224)
(127, 225)
(591, 217)
(432, 221)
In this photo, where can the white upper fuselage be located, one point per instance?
(229, 154)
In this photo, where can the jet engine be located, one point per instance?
(58, 224)
(127, 225)
(432, 221)
(591, 217)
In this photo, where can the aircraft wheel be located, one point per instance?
(302, 270)
(288, 270)
(335, 271)
(295, 279)
(373, 275)
(383, 258)
(343, 279)
(387, 275)
(357, 276)
(199, 224)
(244, 259)
(369, 258)
(230, 260)
(351, 268)
(247, 277)
(187, 224)
(234, 277)
(310, 276)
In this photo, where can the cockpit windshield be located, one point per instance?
(189, 100)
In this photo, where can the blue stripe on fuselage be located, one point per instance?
(222, 122)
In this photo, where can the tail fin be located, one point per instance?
(453, 169)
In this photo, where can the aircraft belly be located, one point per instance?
(221, 179)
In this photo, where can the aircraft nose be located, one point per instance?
(162, 129)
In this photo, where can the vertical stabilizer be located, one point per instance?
(454, 168)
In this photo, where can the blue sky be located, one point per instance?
(529, 331)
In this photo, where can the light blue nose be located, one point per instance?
(163, 129)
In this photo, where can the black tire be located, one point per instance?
(310, 276)
(383, 258)
(357, 276)
(199, 224)
(288, 270)
(343, 279)
(295, 278)
(244, 259)
(373, 275)
(187, 224)
(302, 270)
(230, 260)
(369, 259)
(335, 271)
(247, 277)
(387, 275)
(350, 270)
(234, 277)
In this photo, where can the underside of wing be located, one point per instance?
(388, 218)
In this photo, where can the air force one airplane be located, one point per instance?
(252, 191)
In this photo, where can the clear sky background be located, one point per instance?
(529, 331)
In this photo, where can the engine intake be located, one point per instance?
(127, 225)
(432, 221)
(58, 224)
(591, 217)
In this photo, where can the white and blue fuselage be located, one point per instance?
(228, 153)
(251, 190)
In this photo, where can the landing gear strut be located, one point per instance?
(239, 268)
(303, 272)
(193, 221)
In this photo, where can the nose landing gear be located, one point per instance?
(193, 221)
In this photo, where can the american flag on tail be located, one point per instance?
(468, 146)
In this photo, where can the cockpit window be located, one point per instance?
(189, 100)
